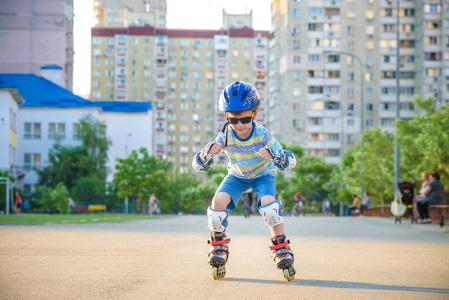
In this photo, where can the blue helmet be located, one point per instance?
(238, 96)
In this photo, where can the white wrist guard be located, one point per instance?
(203, 159)
(283, 156)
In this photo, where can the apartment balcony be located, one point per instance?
(161, 66)
(434, 64)
(160, 55)
(313, 35)
(432, 48)
(432, 16)
(326, 114)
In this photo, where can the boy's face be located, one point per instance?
(242, 129)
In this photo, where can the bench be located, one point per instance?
(90, 207)
(378, 211)
(439, 214)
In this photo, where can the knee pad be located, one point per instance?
(272, 213)
(218, 219)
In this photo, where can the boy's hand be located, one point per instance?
(215, 149)
(265, 154)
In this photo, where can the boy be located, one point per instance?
(253, 154)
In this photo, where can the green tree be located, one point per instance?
(53, 200)
(92, 133)
(312, 175)
(67, 165)
(89, 185)
(141, 175)
(424, 141)
(373, 166)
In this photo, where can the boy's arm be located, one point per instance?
(283, 159)
(205, 158)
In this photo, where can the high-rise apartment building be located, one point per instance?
(124, 13)
(37, 33)
(183, 73)
(321, 54)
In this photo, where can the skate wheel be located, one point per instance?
(218, 272)
(215, 273)
(289, 273)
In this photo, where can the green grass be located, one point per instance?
(69, 219)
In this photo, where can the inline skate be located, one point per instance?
(283, 256)
(218, 254)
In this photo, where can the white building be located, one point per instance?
(50, 113)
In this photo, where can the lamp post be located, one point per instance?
(396, 148)
(362, 108)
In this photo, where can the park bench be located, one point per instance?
(90, 207)
(439, 214)
(378, 211)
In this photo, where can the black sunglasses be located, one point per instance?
(244, 120)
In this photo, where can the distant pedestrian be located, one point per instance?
(432, 195)
(355, 204)
(18, 203)
(367, 202)
(327, 206)
(71, 206)
(154, 205)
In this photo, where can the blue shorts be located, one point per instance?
(235, 187)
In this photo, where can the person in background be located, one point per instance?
(18, 203)
(154, 205)
(72, 205)
(327, 206)
(355, 204)
(432, 196)
(367, 202)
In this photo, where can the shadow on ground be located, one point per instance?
(343, 285)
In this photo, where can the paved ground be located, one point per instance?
(343, 258)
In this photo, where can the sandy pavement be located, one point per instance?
(343, 258)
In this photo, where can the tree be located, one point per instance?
(424, 141)
(53, 200)
(69, 164)
(66, 165)
(141, 175)
(372, 167)
(312, 175)
(92, 133)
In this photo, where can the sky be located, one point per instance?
(185, 14)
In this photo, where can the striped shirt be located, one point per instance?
(244, 159)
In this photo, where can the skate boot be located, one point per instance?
(218, 253)
(283, 256)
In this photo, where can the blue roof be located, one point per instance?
(51, 67)
(40, 92)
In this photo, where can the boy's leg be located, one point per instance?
(275, 230)
(220, 201)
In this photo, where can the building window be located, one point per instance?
(296, 13)
(32, 160)
(56, 131)
(296, 75)
(32, 131)
(350, 92)
(369, 123)
(387, 121)
(296, 59)
(350, 123)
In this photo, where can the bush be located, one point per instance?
(53, 200)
